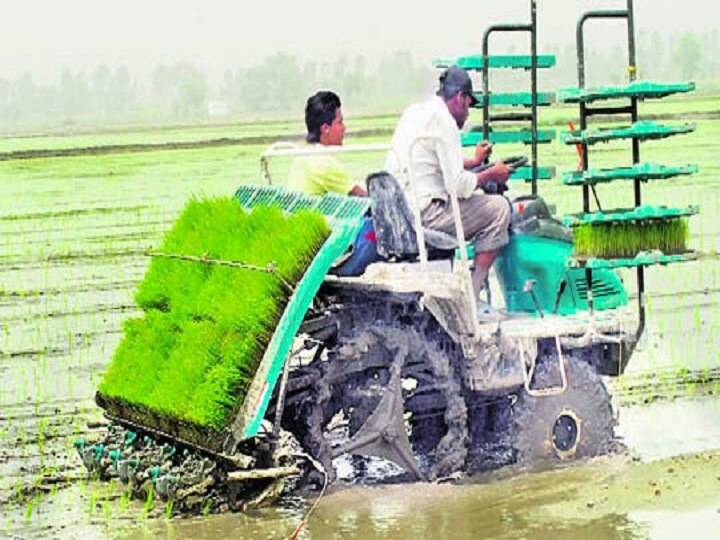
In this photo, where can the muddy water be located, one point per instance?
(668, 482)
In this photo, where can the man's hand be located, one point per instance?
(498, 173)
(482, 152)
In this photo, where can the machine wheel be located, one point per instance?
(350, 403)
(575, 424)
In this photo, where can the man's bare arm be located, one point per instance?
(358, 191)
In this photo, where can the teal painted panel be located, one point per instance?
(471, 138)
(637, 89)
(515, 99)
(511, 61)
(640, 213)
(642, 259)
(639, 171)
(525, 173)
(344, 214)
(645, 130)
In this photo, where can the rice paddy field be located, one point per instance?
(79, 212)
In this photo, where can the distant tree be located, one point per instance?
(121, 97)
(274, 85)
(355, 78)
(5, 86)
(686, 54)
(73, 96)
(710, 43)
(181, 88)
(192, 89)
(656, 58)
(100, 88)
(27, 100)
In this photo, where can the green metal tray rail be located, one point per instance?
(644, 130)
(640, 213)
(639, 171)
(510, 61)
(344, 214)
(525, 173)
(514, 99)
(648, 258)
(636, 89)
(471, 138)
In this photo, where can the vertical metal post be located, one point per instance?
(580, 47)
(534, 90)
(629, 15)
(486, 83)
(632, 76)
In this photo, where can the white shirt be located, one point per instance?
(437, 164)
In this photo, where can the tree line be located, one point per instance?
(279, 84)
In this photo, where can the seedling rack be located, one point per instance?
(533, 99)
(593, 102)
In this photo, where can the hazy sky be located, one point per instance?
(44, 36)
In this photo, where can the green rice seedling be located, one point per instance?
(124, 501)
(627, 239)
(149, 502)
(29, 507)
(210, 308)
(19, 492)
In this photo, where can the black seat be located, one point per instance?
(395, 225)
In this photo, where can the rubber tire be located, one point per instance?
(585, 398)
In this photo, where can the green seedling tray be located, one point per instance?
(471, 138)
(640, 213)
(637, 89)
(511, 61)
(639, 171)
(648, 258)
(645, 130)
(515, 99)
(344, 214)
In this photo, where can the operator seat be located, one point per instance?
(395, 225)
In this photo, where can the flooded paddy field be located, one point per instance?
(74, 232)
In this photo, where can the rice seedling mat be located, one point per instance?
(242, 412)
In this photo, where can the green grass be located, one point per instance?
(626, 240)
(205, 326)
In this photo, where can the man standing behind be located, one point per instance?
(439, 166)
(323, 173)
